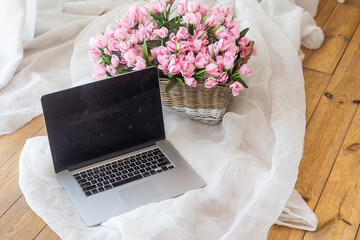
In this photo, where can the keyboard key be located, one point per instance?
(89, 188)
(77, 177)
(146, 174)
(96, 176)
(82, 181)
(99, 184)
(106, 178)
(94, 191)
(118, 178)
(130, 174)
(90, 178)
(116, 184)
(148, 168)
(101, 189)
(106, 182)
(152, 172)
(112, 175)
(112, 180)
(163, 163)
(93, 181)
(88, 193)
(85, 184)
(107, 187)
(164, 168)
(170, 167)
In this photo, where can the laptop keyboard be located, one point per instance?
(119, 172)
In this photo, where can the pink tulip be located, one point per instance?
(183, 46)
(236, 87)
(120, 33)
(182, 33)
(228, 61)
(99, 72)
(174, 65)
(124, 46)
(190, 57)
(201, 60)
(115, 60)
(213, 49)
(223, 77)
(156, 6)
(186, 68)
(109, 33)
(140, 63)
(110, 69)
(221, 32)
(244, 70)
(130, 57)
(210, 82)
(106, 51)
(181, 9)
(213, 69)
(190, 81)
(194, 6)
(134, 39)
(149, 25)
(162, 32)
(94, 55)
(254, 51)
(244, 42)
(192, 18)
(244, 52)
(210, 21)
(98, 41)
(196, 45)
(171, 45)
(205, 10)
(113, 46)
(227, 10)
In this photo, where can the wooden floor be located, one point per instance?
(329, 172)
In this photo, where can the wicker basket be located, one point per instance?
(207, 105)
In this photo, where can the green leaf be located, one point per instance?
(200, 72)
(242, 82)
(179, 80)
(120, 68)
(191, 29)
(153, 43)
(243, 32)
(145, 54)
(172, 83)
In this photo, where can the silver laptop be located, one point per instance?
(108, 146)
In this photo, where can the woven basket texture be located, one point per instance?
(207, 105)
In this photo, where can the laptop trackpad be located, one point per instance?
(140, 194)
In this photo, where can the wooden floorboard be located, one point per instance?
(338, 31)
(329, 171)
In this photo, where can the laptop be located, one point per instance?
(109, 149)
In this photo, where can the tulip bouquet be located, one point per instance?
(199, 45)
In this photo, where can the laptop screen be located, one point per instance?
(103, 118)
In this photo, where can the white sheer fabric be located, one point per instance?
(249, 161)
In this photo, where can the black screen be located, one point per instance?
(103, 118)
